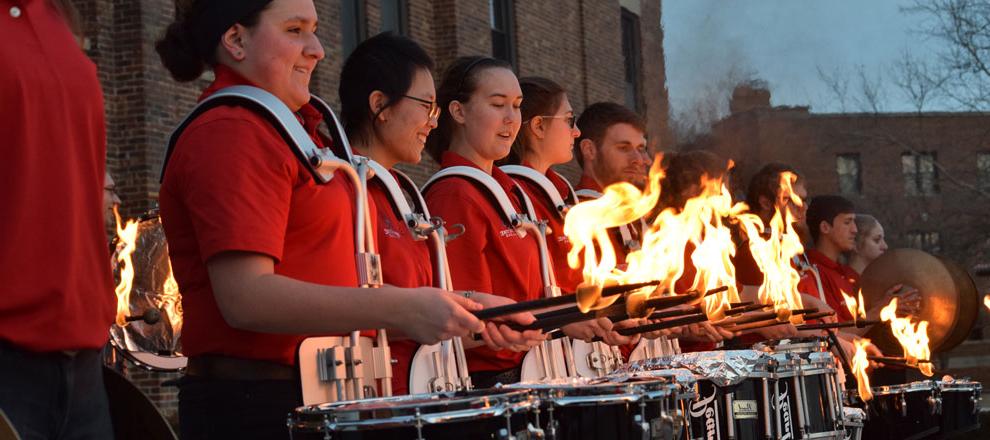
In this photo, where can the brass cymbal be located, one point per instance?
(915, 268)
(969, 305)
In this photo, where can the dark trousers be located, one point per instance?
(54, 395)
(242, 409)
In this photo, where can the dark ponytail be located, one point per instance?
(459, 82)
(189, 45)
(541, 97)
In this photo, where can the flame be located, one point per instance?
(699, 233)
(986, 301)
(773, 250)
(126, 244)
(912, 336)
(856, 307)
(859, 365)
(170, 300)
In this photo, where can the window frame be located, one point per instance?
(505, 33)
(401, 16)
(356, 28)
(855, 159)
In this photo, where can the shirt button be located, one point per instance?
(15, 11)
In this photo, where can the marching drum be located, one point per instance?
(808, 395)
(153, 344)
(908, 411)
(478, 414)
(960, 405)
(853, 420)
(581, 408)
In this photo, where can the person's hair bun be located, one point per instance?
(179, 54)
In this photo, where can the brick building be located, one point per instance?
(925, 176)
(599, 50)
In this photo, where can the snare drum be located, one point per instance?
(960, 405)
(578, 409)
(808, 397)
(853, 419)
(908, 411)
(157, 346)
(478, 414)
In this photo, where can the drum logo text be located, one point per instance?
(784, 409)
(706, 408)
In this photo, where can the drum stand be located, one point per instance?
(341, 368)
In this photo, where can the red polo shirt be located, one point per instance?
(836, 278)
(489, 257)
(405, 263)
(233, 184)
(56, 291)
(557, 243)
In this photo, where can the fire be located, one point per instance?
(773, 254)
(859, 365)
(856, 307)
(986, 301)
(699, 233)
(126, 244)
(913, 337)
(171, 300)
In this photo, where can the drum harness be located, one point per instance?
(523, 224)
(341, 364)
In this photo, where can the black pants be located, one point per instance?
(54, 395)
(242, 409)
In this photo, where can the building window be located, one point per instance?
(395, 16)
(983, 170)
(632, 58)
(920, 174)
(503, 30)
(353, 24)
(927, 241)
(847, 167)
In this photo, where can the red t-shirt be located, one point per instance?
(489, 257)
(405, 263)
(232, 184)
(836, 278)
(56, 291)
(558, 244)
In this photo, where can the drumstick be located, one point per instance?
(615, 312)
(542, 303)
(690, 319)
(831, 325)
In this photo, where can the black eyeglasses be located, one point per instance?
(570, 120)
(434, 107)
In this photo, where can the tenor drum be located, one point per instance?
(807, 396)
(960, 405)
(153, 346)
(478, 414)
(908, 411)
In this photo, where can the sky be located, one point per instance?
(784, 42)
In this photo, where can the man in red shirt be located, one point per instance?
(56, 299)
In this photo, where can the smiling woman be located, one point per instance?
(262, 253)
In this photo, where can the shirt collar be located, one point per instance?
(587, 182)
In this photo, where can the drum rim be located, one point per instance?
(922, 385)
(415, 402)
(132, 355)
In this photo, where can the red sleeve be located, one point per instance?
(457, 203)
(239, 177)
(808, 286)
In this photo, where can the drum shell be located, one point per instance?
(903, 412)
(808, 386)
(745, 406)
(960, 407)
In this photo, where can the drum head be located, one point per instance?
(154, 346)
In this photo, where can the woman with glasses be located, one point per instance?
(263, 254)
(388, 107)
(546, 138)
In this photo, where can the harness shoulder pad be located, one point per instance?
(542, 182)
(320, 162)
(485, 181)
